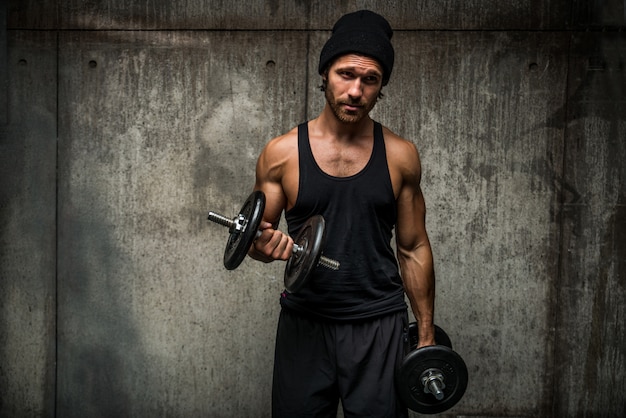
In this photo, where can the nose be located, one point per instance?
(355, 89)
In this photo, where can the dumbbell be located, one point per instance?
(431, 379)
(307, 248)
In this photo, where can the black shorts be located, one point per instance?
(318, 363)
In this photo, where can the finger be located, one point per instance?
(264, 225)
(288, 251)
(268, 243)
(263, 238)
(283, 248)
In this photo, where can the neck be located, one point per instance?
(329, 125)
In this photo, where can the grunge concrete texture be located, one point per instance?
(125, 123)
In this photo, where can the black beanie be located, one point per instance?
(361, 32)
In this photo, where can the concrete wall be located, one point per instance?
(124, 124)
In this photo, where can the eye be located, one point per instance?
(372, 79)
(346, 74)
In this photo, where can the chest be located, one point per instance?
(342, 160)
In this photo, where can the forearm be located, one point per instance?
(419, 284)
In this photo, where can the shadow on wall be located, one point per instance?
(590, 303)
(100, 356)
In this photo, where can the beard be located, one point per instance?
(347, 116)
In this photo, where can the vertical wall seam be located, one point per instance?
(306, 75)
(56, 232)
(560, 239)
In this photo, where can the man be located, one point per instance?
(344, 334)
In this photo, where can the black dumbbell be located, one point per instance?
(307, 249)
(431, 379)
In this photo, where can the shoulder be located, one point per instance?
(280, 149)
(281, 145)
(277, 154)
(402, 154)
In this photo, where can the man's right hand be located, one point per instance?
(271, 244)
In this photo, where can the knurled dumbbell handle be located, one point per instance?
(231, 224)
(235, 225)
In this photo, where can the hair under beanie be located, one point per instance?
(363, 32)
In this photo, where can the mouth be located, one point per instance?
(350, 107)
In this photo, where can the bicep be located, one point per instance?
(411, 228)
(268, 180)
(411, 223)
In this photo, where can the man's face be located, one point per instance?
(353, 85)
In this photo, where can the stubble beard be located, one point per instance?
(341, 114)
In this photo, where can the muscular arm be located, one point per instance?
(414, 251)
(272, 167)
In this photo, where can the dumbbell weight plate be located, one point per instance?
(411, 389)
(300, 265)
(239, 242)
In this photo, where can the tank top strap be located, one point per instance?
(303, 140)
(377, 157)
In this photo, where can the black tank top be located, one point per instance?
(360, 214)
